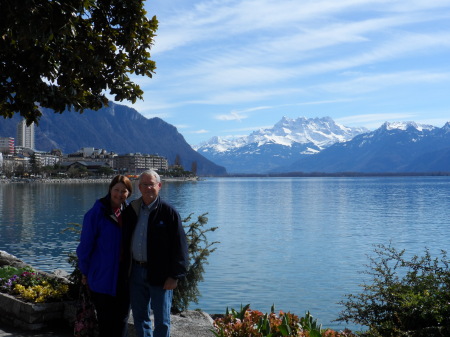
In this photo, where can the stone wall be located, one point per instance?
(29, 316)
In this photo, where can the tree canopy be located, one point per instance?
(66, 54)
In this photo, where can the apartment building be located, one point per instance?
(7, 145)
(93, 155)
(41, 159)
(136, 163)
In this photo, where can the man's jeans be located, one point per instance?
(144, 297)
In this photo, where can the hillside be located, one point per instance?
(116, 128)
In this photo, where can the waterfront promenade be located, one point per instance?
(186, 324)
(84, 180)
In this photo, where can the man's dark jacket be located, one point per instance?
(167, 252)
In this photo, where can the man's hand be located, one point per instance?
(170, 284)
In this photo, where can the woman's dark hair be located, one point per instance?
(124, 180)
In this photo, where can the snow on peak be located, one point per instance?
(405, 125)
(221, 144)
(321, 132)
(446, 126)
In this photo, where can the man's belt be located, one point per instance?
(140, 263)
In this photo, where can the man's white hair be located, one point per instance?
(150, 173)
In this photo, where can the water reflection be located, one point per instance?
(35, 215)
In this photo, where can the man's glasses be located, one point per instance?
(149, 185)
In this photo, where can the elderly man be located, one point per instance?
(156, 247)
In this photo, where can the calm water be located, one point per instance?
(298, 243)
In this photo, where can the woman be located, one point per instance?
(100, 258)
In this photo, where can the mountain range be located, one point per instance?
(115, 128)
(402, 147)
(266, 150)
(291, 145)
(321, 145)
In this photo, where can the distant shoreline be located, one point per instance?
(83, 180)
(339, 174)
(236, 175)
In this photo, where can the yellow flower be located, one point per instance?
(41, 293)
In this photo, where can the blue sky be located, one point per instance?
(229, 67)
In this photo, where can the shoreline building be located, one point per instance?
(7, 145)
(136, 163)
(25, 135)
(41, 159)
(92, 155)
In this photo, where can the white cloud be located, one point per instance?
(372, 82)
(182, 126)
(373, 118)
(256, 108)
(374, 121)
(439, 122)
(232, 116)
(211, 21)
(246, 129)
(279, 61)
(341, 100)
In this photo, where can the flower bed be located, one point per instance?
(31, 286)
(247, 322)
(30, 300)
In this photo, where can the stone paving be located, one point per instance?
(187, 324)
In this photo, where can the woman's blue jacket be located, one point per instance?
(99, 250)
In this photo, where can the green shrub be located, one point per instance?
(405, 298)
(6, 272)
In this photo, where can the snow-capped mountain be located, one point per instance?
(398, 147)
(267, 149)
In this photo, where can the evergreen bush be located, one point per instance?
(199, 248)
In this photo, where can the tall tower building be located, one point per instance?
(25, 135)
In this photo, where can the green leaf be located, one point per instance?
(264, 325)
(66, 44)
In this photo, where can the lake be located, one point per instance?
(297, 243)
